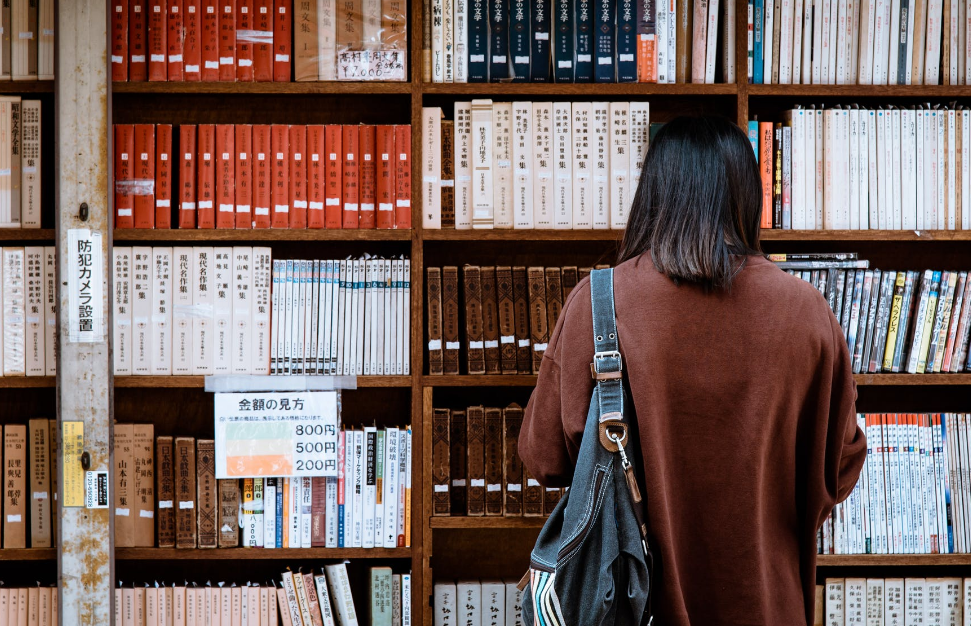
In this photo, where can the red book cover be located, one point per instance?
(244, 40)
(263, 48)
(282, 37)
(315, 176)
(384, 186)
(280, 189)
(157, 43)
(350, 181)
(261, 176)
(124, 174)
(137, 40)
(192, 50)
(225, 176)
(207, 176)
(244, 176)
(119, 40)
(163, 176)
(210, 40)
(187, 176)
(176, 40)
(333, 176)
(227, 40)
(298, 176)
(765, 166)
(367, 174)
(144, 186)
(402, 176)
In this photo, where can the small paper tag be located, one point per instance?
(524, 343)
(187, 504)
(441, 488)
(494, 487)
(121, 512)
(145, 513)
(435, 344)
(165, 504)
(477, 482)
(514, 487)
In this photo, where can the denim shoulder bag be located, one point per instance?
(592, 564)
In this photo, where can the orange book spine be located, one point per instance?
(244, 41)
(176, 40)
(124, 174)
(144, 186)
(765, 166)
(402, 176)
(244, 176)
(384, 185)
(226, 176)
(334, 176)
(210, 40)
(367, 175)
(157, 42)
(280, 189)
(282, 36)
(261, 176)
(163, 176)
(205, 204)
(187, 176)
(315, 176)
(137, 40)
(227, 40)
(646, 59)
(263, 48)
(192, 48)
(298, 176)
(351, 180)
(119, 40)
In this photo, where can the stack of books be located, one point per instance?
(29, 605)
(29, 484)
(496, 602)
(29, 302)
(892, 600)
(20, 162)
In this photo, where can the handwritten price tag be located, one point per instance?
(388, 64)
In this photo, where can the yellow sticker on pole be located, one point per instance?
(72, 446)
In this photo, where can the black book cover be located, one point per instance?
(540, 26)
(563, 40)
(626, 41)
(478, 42)
(604, 52)
(519, 40)
(583, 50)
(498, 40)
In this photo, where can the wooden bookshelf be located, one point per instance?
(191, 382)
(135, 235)
(893, 560)
(28, 554)
(26, 382)
(529, 380)
(478, 523)
(262, 88)
(237, 554)
(11, 235)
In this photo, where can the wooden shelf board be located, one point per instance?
(495, 380)
(262, 88)
(865, 235)
(260, 234)
(525, 380)
(579, 89)
(188, 382)
(243, 554)
(522, 235)
(886, 560)
(26, 86)
(912, 379)
(27, 234)
(28, 554)
(474, 523)
(22, 382)
(856, 91)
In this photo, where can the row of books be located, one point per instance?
(27, 42)
(20, 162)
(326, 599)
(29, 606)
(913, 495)
(509, 313)
(263, 176)
(581, 41)
(909, 322)
(29, 302)
(477, 602)
(29, 465)
(476, 469)
(856, 168)
(544, 165)
(893, 601)
(166, 493)
(842, 42)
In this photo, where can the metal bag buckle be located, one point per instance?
(596, 374)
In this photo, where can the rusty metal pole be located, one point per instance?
(85, 564)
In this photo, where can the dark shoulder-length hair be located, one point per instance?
(699, 202)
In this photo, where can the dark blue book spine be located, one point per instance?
(540, 26)
(563, 41)
(757, 45)
(583, 31)
(278, 510)
(626, 41)
(498, 40)
(478, 42)
(604, 51)
(519, 40)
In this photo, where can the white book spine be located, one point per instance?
(965, 173)
(909, 169)
(360, 328)
(897, 153)
(601, 148)
(502, 164)
(951, 223)
(767, 34)
(445, 605)
(327, 39)
(941, 172)
(286, 318)
(854, 146)
(330, 512)
(798, 167)
(796, 51)
(728, 48)
(431, 166)
(842, 45)
(835, 605)
(182, 354)
(448, 45)
(482, 175)
(863, 169)
(582, 166)
(403, 456)
(306, 506)
(162, 311)
(12, 287)
(370, 486)
(920, 167)
(262, 276)
(469, 594)
(34, 309)
(909, 66)
(406, 619)
(522, 162)
(269, 512)
(438, 42)
(932, 53)
(462, 147)
(543, 164)
(662, 34)
(242, 341)
(461, 40)
(30, 152)
(340, 593)
(894, 47)
(639, 129)
(50, 311)
(390, 485)
(620, 160)
(672, 40)
(121, 311)
(915, 600)
(203, 337)
(833, 50)
(357, 490)
(323, 598)
(222, 311)
(818, 52)
(294, 490)
(562, 165)
(405, 319)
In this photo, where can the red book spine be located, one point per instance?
(261, 176)
(227, 40)
(119, 40)
(124, 173)
(176, 40)
(163, 176)
(143, 187)
(341, 460)
(192, 50)
(157, 43)
(244, 40)
(280, 190)
(187, 176)
(765, 165)
(263, 48)
(384, 185)
(225, 176)
(244, 176)
(333, 176)
(137, 40)
(350, 141)
(402, 176)
(207, 176)
(298, 176)
(210, 40)
(315, 176)
(282, 36)
(367, 174)
(318, 505)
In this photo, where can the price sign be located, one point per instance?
(262, 435)
(384, 64)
